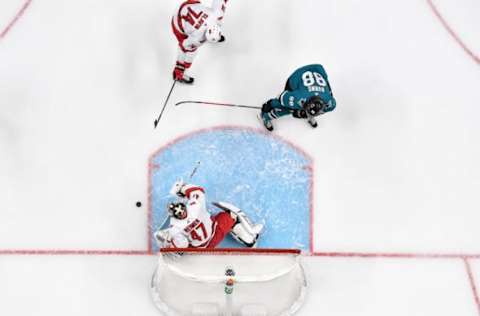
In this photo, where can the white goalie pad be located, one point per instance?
(244, 231)
(264, 282)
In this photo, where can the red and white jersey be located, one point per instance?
(196, 230)
(191, 20)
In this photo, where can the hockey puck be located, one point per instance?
(138, 204)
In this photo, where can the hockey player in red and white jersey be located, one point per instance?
(194, 24)
(192, 225)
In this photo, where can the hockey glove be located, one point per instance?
(301, 114)
(177, 188)
(162, 238)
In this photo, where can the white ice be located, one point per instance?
(396, 164)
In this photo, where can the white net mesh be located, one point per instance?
(266, 282)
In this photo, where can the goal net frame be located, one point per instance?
(262, 282)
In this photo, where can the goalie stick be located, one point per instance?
(194, 170)
(220, 104)
(157, 120)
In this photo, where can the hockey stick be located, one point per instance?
(155, 123)
(194, 170)
(220, 104)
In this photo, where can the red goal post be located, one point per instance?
(229, 281)
(226, 251)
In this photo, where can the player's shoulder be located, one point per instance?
(190, 5)
(197, 5)
(312, 67)
(299, 72)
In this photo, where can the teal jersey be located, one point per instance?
(304, 83)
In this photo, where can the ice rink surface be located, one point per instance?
(396, 175)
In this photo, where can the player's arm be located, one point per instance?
(193, 41)
(218, 10)
(193, 193)
(291, 100)
(196, 198)
(332, 103)
(321, 70)
(171, 237)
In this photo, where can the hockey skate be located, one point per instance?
(180, 76)
(312, 121)
(184, 79)
(256, 229)
(246, 233)
(267, 123)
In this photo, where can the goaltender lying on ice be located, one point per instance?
(192, 225)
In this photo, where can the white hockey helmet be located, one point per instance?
(213, 33)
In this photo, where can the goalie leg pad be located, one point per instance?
(243, 230)
(223, 225)
(245, 236)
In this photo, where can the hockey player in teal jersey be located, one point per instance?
(307, 94)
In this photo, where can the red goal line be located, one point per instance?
(397, 255)
(228, 251)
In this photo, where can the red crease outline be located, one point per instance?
(15, 19)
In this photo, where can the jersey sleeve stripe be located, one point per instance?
(281, 98)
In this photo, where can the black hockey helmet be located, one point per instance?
(315, 106)
(177, 210)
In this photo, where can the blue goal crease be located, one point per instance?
(263, 175)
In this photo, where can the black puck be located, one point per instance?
(138, 204)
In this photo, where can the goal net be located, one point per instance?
(229, 282)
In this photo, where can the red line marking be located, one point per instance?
(452, 32)
(365, 255)
(472, 284)
(15, 19)
(312, 204)
(149, 203)
(397, 255)
(74, 252)
(227, 251)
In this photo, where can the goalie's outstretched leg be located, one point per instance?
(243, 230)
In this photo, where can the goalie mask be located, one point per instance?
(314, 106)
(177, 210)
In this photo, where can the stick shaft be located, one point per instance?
(165, 104)
(194, 170)
(219, 104)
